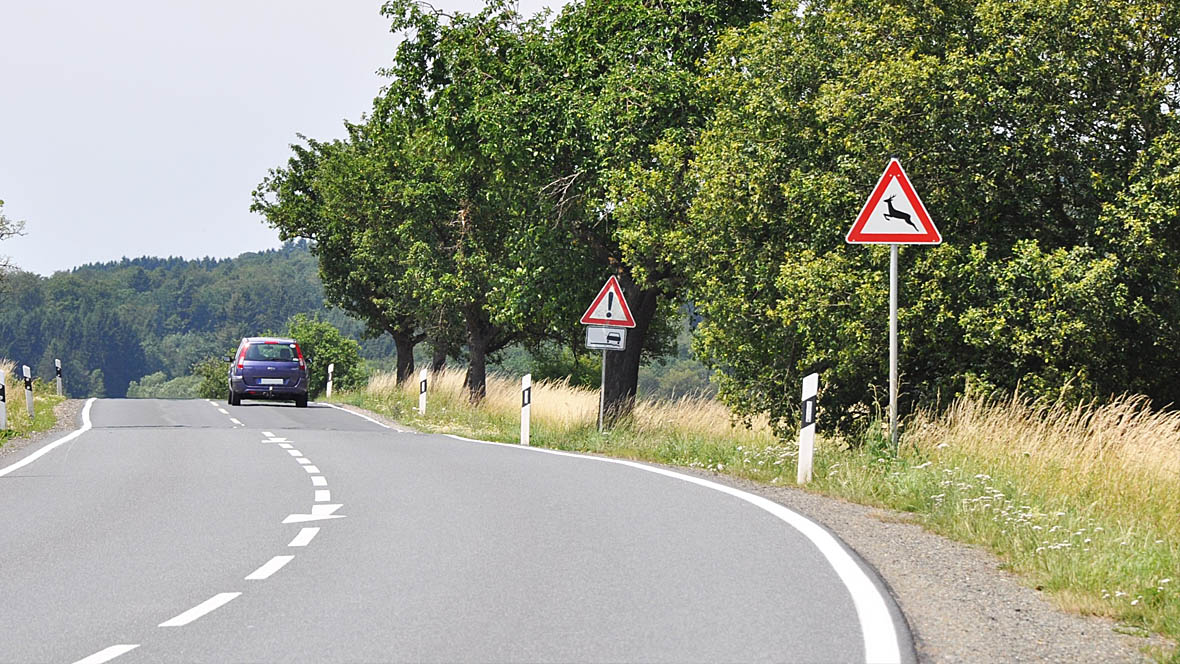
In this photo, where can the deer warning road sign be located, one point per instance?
(609, 308)
(893, 214)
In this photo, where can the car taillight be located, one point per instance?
(242, 359)
(299, 354)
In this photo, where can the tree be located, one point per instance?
(1020, 124)
(322, 344)
(8, 228)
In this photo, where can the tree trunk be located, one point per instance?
(479, 338)
(404, 343)
(438, 358)
(622, 367)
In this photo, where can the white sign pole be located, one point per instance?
(330, 368)
(3, 402)
(57, 364)
(422, 392)
(526, 404)
(807, 428)
(893, 346)
(28, 389)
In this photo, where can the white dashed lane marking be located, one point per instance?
(236, 421)
(268, 434)
(311, 469)
(304, 461)
(208, 606)
(319, 480)
(285, 446)
(305, 535)
(273, 565)
(222, 410)
(107, 654)
(323, 496)
(295, 453)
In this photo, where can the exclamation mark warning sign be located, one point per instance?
(609, 307)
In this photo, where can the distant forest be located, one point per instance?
(149, 319)
(112, 323)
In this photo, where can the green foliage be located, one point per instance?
(1040, 135)
(114, 323)
(322, 344)
(157, 386)
(213, 374)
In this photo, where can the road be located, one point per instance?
(195, 531)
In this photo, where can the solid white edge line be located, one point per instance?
(363, 416)
(107, 654)
(319, 480)
(212, 604)
(270, 567)
(877, 627)
(55, 444)
(304, 537)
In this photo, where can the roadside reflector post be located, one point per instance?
(3, 401)
(57, 365)
(526, 401)
(330, 368)
(422, 392)
(807, 428)
(28, 373)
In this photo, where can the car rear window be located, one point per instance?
(263, 352)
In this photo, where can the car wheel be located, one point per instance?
(234, 399)
(301, 402)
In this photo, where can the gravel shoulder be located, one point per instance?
(960, 604)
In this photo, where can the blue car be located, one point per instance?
(268, 368)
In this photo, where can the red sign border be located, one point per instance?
(627, 321)
(856, 234)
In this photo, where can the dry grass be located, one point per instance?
(1124, 453)
(558, 406)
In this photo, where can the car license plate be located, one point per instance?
(270, 381)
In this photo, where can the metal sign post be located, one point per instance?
(28, 373)
(608, 318)
(893, 215)
(57, 365)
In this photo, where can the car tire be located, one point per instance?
(301, 402)
(234, 400)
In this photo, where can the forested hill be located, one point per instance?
(112, 323)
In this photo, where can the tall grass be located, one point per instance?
(1082, 501)
(18, 417)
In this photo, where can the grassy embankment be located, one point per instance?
(1082, 502)
(44, 401)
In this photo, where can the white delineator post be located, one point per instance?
(329, 390)
(3, 401)
(526, 402)
(807, 428)
(57, 366)
(28, 373)
(422, 392)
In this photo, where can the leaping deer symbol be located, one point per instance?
(898, 214)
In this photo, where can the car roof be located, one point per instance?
(277, 340)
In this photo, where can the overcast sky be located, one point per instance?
(140, 127)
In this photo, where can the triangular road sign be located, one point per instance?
(609, 308)
(893, 214)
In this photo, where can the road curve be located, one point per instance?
(197, 531)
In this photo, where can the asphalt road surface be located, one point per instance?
(194, 531)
